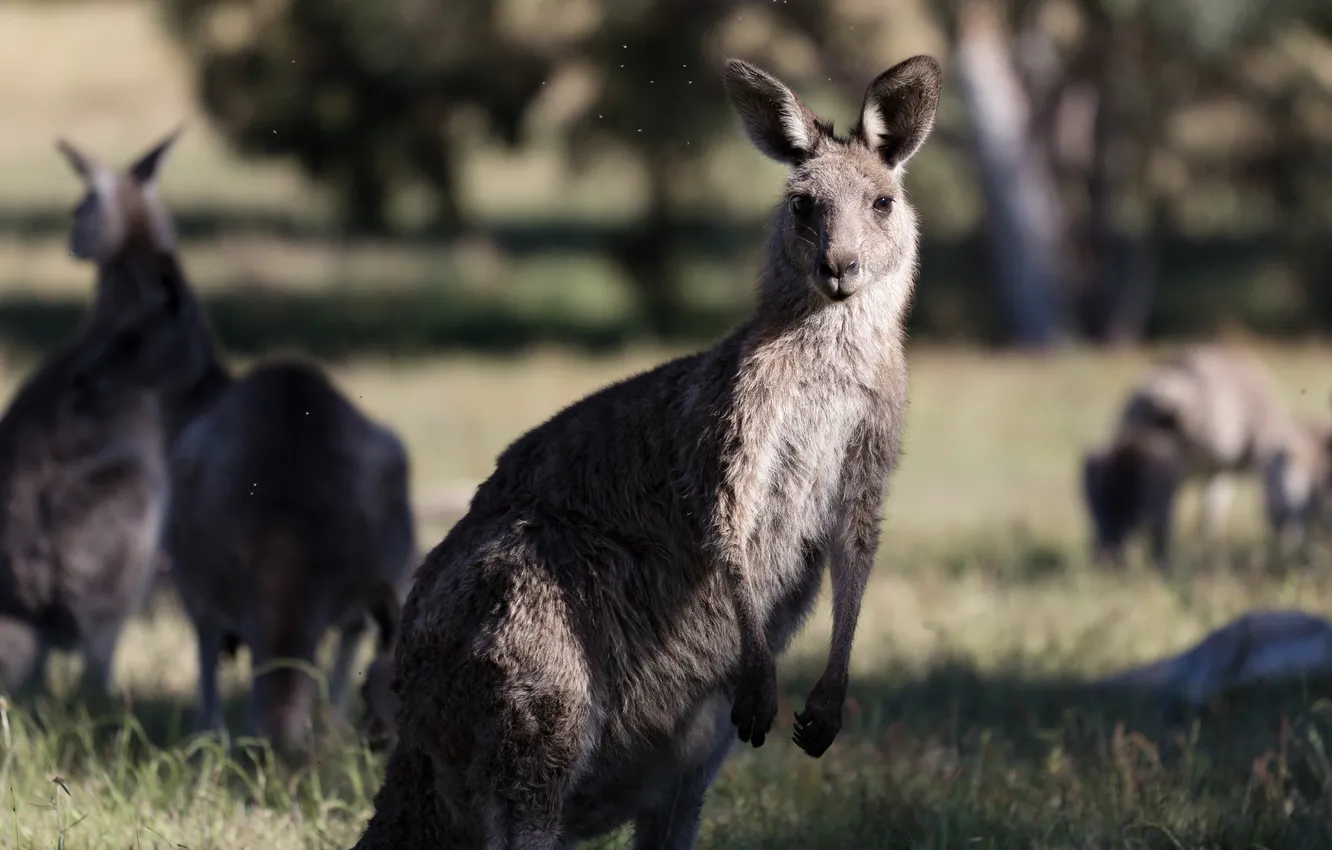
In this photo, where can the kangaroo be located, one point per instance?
(1260, 646)
(83, 458)
(586, 643)
(1206, 414)
(1297, 481)
(289, 504)
(286, 502)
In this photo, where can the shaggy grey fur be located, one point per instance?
(585, 645)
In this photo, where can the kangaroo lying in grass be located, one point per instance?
(1260, 647)
(1207, 414)
(585, 645)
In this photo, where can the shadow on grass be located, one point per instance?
(951, 758)
(963, 758)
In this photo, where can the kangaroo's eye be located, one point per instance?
(883, 204)
(801, 206)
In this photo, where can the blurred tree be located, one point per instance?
(1085, 97)
(363, 95)
(661, 97)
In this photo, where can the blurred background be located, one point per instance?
(476, 211)
(410, 175)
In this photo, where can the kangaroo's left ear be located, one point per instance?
(144, 170)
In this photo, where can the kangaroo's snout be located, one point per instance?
(839, 274)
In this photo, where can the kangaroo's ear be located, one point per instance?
(775, 119)
(84, 165)
(144, 170)
(899, 107)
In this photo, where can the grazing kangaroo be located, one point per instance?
(83, 467)
(1297, 479)
(1207, 413)
(584, 645)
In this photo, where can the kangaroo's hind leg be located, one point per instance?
(674, 823)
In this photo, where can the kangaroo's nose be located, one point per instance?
(839, 266)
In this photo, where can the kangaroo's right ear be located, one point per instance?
(776, 121)
(385, 610)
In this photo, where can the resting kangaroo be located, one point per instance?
(584, 645)
(83, 465)
(1207, 413)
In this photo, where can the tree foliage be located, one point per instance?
(361, 94)
(371, 97)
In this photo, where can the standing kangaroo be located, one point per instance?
(584, 645)
(287, 504)
(1208, 413)
(83, 468)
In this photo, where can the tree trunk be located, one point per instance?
(1021, 199)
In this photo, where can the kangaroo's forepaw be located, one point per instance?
(817, 726)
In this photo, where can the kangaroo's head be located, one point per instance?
(119, 209)
(844, 225)
(1126, 485)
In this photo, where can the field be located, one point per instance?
(969, 725)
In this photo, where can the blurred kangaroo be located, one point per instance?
(1206, 414)
(1298, 483)
(83, 467)
(287, 504)
(585, 644)
(1259, 647)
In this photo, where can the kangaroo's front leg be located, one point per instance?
(853, 553)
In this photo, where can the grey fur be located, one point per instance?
(582, 647)
(1208, 413)
(82, 445)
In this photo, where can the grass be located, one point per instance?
(969, 725)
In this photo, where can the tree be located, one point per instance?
(363, 95)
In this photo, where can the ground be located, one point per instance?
(966, 725)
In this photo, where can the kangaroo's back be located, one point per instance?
(1221, 401)
(290, 505)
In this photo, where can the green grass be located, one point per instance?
(968, 726)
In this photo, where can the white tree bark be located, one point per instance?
(1023, 211)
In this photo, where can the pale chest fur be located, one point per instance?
(807, 414)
